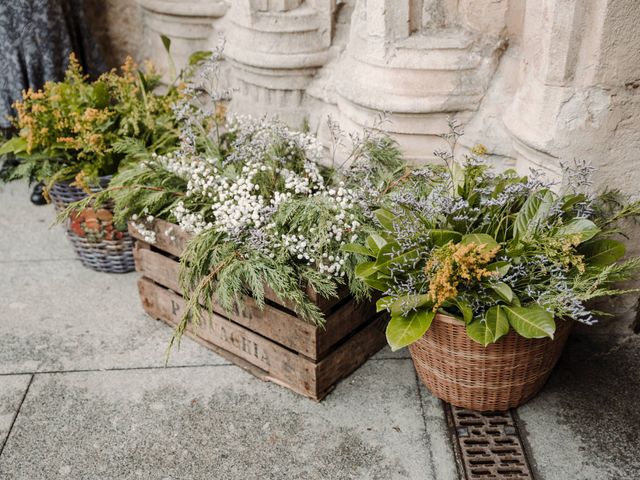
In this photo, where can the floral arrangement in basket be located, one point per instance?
(81, 129)
(95, 225)
(498, 251)
(262, 209)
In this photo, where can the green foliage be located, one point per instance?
(530, 322)
(82, 129)
(498, 251)
(403, 330)
(283, 227)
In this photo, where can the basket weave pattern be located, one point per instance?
(63, 193)
(110, 256)
(498, 377)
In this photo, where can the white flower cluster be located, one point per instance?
(148, 234)
(268, 165)
(191, 222)
(201, 173)
(328, 258)
(297, 247)
(333, 266)
(237, 205)
(345, 225)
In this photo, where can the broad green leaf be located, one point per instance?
(405, 303)
(166, 42)
(604, 251)
(14, 145)
(503, 290)
(442, 237)
(497, 321)
(479, 331)
(386, 253)
(376, 283)
(490, 329)
(501, 268)
(457, 175)
(406, 259)
(385, 217)
(571, 200)
(384, 303)
(199, 56)
(366, 269)
(586, 229)
(480, 239)
(515, 301)
(465, 309)
(356, 248)
(375, 243)
(533, 212)
(531, 322)
(403, 331)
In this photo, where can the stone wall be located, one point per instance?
(116, 25)
(537, 82)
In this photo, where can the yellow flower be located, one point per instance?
(455, 263)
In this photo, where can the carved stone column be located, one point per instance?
(578, 98)
(275, 48)
(578, 89)
(189, 25)
(420, 61)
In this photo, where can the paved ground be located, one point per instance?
(84, 394)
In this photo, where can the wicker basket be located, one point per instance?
(498, 377)
(110, 256)
(63, 193)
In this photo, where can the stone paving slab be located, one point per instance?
(585, 424)
(438, 436)
(12, 390)
(218, 423)
(62, 316)
(387, 354)
(25, 229)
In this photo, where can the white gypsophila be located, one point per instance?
(329, 259)
(201, 173)
(237, 204)
(267, 151)
(148, 235)
(190, 222)
(345, 225)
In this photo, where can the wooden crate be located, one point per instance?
(271, 343)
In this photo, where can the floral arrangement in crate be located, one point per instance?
(262, 208)
(81, 129)
(499, 251)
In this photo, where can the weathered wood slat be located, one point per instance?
(272, 343)
(270, 321)
(276, 324)
(262, 357)
(341, 323)
(350, 355)
(295, 370)
(173, 242)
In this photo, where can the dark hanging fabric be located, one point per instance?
(36, 38)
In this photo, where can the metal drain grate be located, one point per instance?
(488, 445)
